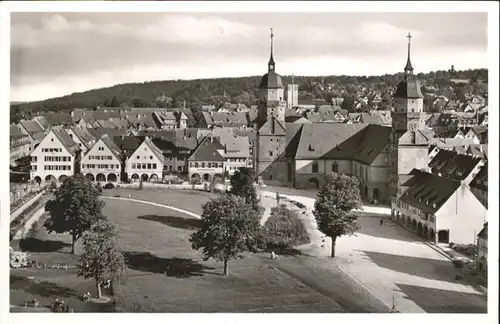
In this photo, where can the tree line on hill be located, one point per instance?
(194, 93)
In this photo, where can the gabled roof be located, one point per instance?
(480, 181)
(207, 151)
(417, 137)
(15, 133)
(236, 146)
(318, 139)
(156, 151)
(128, 143)
(364, 146)
(42, 121)
(108, 141)
(484, 232)
(65, 139)
(272, 127)
(428, 192)
(31, 127)
(453, 165)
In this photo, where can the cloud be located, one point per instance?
(77, 51)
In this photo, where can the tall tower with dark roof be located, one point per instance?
(271, 133)
(409, 139)
(271, 92)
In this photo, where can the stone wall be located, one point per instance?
(23, 207)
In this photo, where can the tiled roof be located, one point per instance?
(450, 142)
(484, 232)
(108, 141)
(480, 181)
(428, 192)
(453, 165)
(42, 121)
(363, 146)
(65, 139)
(318, 139)
(128, 143)
(31, 127)
(55, 119)
(207, 151)
(16, 133)
(156, 151)
(236, 146)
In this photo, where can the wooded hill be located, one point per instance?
(173, 93)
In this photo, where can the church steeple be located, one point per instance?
(408, 67)
(271, 64)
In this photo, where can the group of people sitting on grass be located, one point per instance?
(60, 307)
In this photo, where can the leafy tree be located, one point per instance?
(139, 102)
(102, 259)
(114, 102)
(229, 227)
(334, 205)
(74, 209)
(242, 186)
(284, 229)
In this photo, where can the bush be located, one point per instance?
(284, 229)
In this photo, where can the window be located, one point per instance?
(315, 167)
(154, 165)
(202, 164)
(149, 166)
(138, 157)
(270, 153)
(196, 164)
(133, 165)
(221, 165)
(335, 167)
(144, 166)
(150, 157)
(209, 165)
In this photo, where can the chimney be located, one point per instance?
(123, 136)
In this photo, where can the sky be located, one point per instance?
(54, 54)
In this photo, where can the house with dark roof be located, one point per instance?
(316, 150)
(103, 162)
(438, 209)
(453, 165)
(55, 158)
(145, 163)
(479, 185)
(207, 163)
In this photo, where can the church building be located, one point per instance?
(301, 155)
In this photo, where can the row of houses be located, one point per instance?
(107, 159)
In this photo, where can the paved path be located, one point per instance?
(155, 204)
(391, 262)
(388, 261)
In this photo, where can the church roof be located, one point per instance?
(408, 89)
(271, 80)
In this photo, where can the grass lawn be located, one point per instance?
(165, 275)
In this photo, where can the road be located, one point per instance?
(392, 263)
